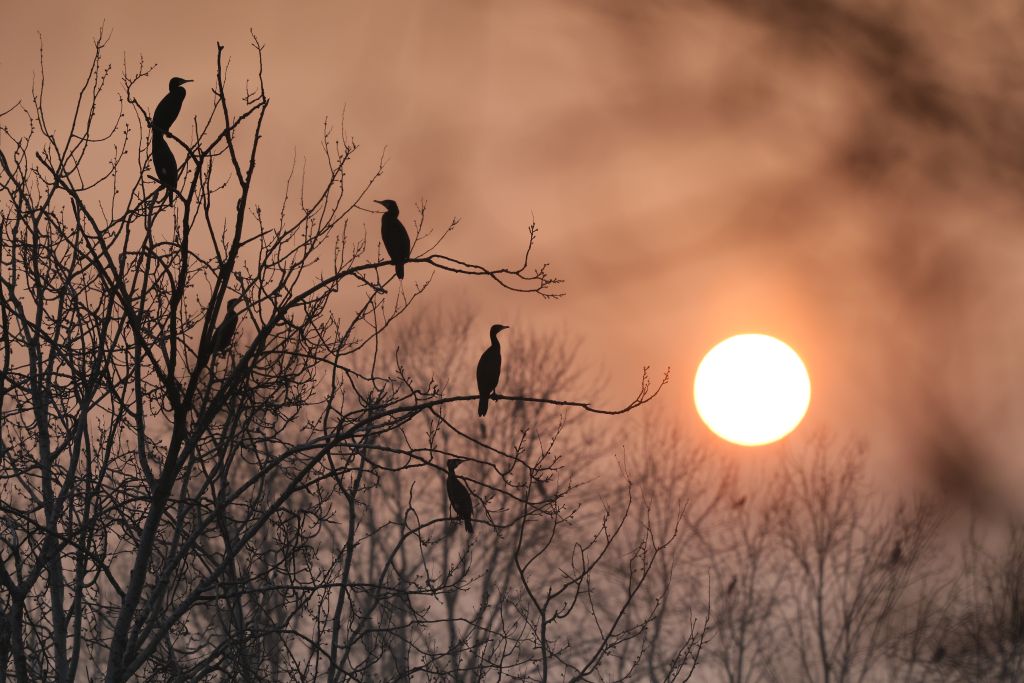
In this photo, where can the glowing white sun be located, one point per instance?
(752, 389)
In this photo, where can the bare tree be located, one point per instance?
(811, 571)
(850, 557)
(746, 570)
(528, 597)
(275, 511)
(979, 635)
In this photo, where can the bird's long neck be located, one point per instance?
(494, 340)
(451, 469)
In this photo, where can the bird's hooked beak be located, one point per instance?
(186, 80)
(504, 327)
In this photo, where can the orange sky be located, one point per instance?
(845, 175)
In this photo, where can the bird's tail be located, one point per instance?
(482, 410)
(400, 270)
(170, 196)
(469, 524)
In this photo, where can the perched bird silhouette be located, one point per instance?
(394, 236)
(488, 370)
(458, 495)
(166, 165)
(897, 554)
(221, 341)
(170, 106)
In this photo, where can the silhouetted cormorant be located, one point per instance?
(458, 495)
(394, 236)
(226, 330)
(165, 165)
(488, 370)
(170, 105)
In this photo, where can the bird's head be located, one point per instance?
(390, 204)
(233, 303)
(495, 329)
(178, 82)
(454, 462)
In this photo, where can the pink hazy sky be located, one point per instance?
(846, 176)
